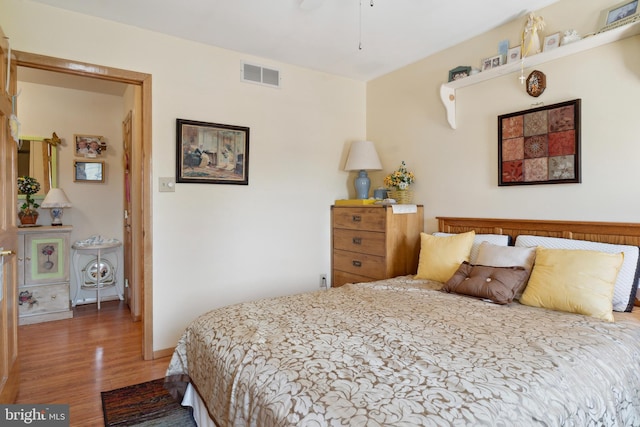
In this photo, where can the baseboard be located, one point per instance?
(166, 352)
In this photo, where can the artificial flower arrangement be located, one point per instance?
(28, 186)
(400, 179)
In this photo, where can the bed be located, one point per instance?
(405, 352)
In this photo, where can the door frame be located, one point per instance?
(141, 177)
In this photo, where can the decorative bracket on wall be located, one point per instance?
(448, 90)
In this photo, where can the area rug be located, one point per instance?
(145, 404)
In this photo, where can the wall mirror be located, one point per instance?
(88, 171)
(38, 159)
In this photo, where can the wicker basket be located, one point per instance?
(403, 197)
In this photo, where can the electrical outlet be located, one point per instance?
(323, 281)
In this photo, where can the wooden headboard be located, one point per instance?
(605, 232)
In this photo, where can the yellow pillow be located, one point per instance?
(577, 281)
(440, 256)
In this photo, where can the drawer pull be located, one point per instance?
(356, 240)
(356, 263)
(356, 218)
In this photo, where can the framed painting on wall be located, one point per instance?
(211, 153)
(540, 145)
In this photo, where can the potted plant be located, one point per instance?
(400, 181)
(28, 186)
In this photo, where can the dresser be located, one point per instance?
(43, 274)
(374, 242)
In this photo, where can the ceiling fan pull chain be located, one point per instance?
(360, 25)
(360, 28)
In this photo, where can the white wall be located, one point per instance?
(457, 170)
(218, 244)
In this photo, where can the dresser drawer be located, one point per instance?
(367, 242)
(372, 219)
(361, 264)
(340, 278)
(43, 299)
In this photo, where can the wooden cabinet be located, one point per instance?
(372, 242)
(43, 274)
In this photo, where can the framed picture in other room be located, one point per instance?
(89, 145)
(89, 171)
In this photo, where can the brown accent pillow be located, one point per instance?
(498, 284)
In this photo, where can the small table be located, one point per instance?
(98, 249)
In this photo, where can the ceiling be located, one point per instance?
(358, 39)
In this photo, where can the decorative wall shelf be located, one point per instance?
(448, 90)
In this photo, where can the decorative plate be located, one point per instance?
(536, 83)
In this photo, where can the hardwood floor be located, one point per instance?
(71, 361)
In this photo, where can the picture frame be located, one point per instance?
(90, 146)
(211, 153)
(552, 41)
(514, 54)
(492, 62)
(619, 14)
(503, 49)
(540, 145)
(459, 72)
(88, 171)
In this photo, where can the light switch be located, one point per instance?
(167, 184)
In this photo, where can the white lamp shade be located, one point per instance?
(362, 156)
(56, 199)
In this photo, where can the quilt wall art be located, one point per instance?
(540, 145)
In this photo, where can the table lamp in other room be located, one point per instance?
(56, 201)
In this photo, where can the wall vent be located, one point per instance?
(257, 74)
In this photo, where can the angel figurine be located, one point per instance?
(531, 35)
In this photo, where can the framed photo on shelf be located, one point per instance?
(620, 14)
(88, 171)
(211, 153)
(493, 62)
(459, 73)
(503, 49)
(551, 42)
(540, 145)
(89, 145)
(513, 55)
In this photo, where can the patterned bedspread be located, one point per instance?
(401, 353)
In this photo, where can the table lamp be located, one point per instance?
(362, 157)
(56, 200)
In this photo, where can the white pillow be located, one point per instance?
(494, 239)
(627, 281)
(507, 256)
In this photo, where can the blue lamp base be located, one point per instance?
(56, 216)
(362, 184)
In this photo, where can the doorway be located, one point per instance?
(139, 215)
